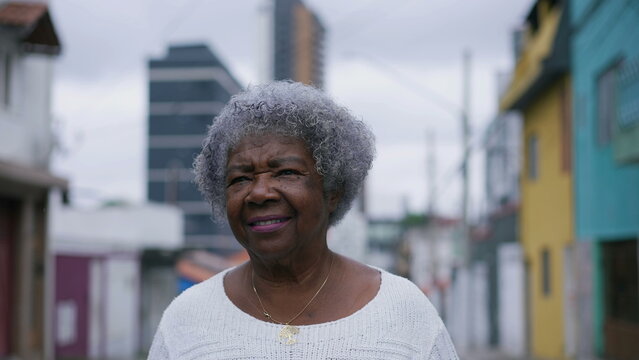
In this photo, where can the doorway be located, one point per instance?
(621, 299)
(8, 227)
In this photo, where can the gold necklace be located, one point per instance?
(288, 332)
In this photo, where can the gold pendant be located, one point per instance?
(288, 333)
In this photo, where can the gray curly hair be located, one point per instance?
(342, 146)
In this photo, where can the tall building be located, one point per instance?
(28, 47)
(605, 67)
(294, 43)
(541, 91)
(187, 89)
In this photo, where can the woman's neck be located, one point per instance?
(284, 273)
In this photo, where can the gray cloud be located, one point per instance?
(106, 45)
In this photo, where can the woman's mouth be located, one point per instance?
(268, 224)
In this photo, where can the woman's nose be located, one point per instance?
(262, 190)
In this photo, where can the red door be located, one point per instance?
(71, 306)
(8, 225)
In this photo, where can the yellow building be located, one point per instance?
(541, 90)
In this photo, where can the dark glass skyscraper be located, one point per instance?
(187, 89)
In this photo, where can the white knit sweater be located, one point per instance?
(398, 323)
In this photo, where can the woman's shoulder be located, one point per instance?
(405, 314)
(403, 301)
(401, 284)
(388, 292)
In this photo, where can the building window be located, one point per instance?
(566, 128)
(5, 79)
(545, 272)
(532, 157)
(628, 93)
(606, 105)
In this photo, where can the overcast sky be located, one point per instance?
(396, 64)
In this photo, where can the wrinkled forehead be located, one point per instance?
(262, 139)
(269, 147)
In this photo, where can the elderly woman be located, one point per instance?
(282, 163)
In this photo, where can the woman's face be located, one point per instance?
(274, 197)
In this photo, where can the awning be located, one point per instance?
(16, 179)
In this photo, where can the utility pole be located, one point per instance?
(465, 233)
(465, 136)
(431, 167)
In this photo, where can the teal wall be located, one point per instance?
(606, 192)
(579, 8)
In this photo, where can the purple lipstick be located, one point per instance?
(268, 223)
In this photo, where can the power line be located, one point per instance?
(430, 95)
(183, 13)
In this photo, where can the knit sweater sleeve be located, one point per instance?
(158, 349)
(443, 348)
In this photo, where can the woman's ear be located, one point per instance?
(334, 198)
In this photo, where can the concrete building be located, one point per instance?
(349, 237)
(28, 46)
(104, 306)
(502, 145)
(497, 251)
(541, 90)
(293, 43)
(430, 246)
(187, 89)
(384, 237)
(431, 257)
(605, 81)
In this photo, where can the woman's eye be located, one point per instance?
(288, 172)
(238, 179)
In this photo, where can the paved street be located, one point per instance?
(486, 354)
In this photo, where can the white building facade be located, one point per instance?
(28, 47)
(99, 312)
